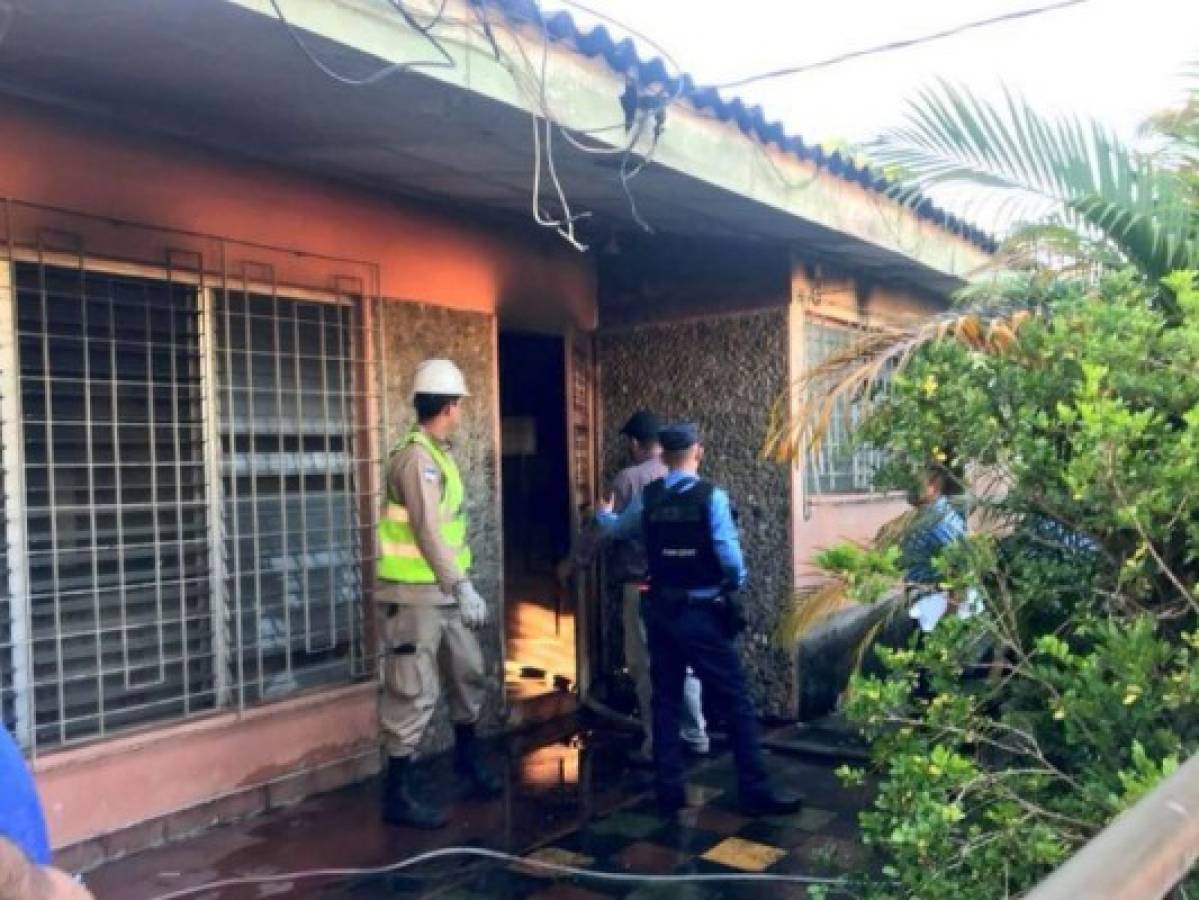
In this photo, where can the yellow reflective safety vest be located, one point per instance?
(400, 559)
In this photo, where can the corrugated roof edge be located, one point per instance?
(623, 58)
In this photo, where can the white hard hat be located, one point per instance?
(439, 376)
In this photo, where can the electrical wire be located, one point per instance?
(565, 226)
(899, 45)
(627, 174)
(534, 86)
(374, 78)
(509, 858)
(447, 61)
(484, 21)
(636, 130)
(539, 97)
(411, 19)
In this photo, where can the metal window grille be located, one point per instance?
(839, 466)
(293, 569)
(116, 519)
(189, 478)
(8, 691)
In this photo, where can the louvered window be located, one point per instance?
(119, 617)
(287, 451)
(840, 465)
(188, 496)
(8, 691)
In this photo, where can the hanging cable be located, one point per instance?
(447, 61)
(647, 104)
(627, 174)
(892, 46)
(508, 858)
(411, 19)
(636, 128)
(480, 11)
(374, 78)
(564, 226)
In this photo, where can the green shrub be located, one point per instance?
(1084, 440)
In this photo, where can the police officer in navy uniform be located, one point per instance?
(695, 568)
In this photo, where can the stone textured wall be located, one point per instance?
(724, 373)
(412, 332)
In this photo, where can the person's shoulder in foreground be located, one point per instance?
(20, 812)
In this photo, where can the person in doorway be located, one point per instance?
(427, 608)
(696, 566)
(629, 570)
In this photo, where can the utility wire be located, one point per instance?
(537, 92)
(411, 18)
(375, 77)
(899, 45)
(498, 856)
(447, 61)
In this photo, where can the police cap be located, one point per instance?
(679, 436)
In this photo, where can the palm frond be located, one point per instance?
(809, 609)
(1049, 249)
(800, 418)
(1081, 171)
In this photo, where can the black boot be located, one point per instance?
(468, 762)
(765, 802)
(400, 806)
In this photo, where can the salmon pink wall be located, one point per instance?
(53, 159)
(832, 520)
(109, 785)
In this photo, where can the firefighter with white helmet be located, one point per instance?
(427, 608)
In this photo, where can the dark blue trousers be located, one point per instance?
(681, 634)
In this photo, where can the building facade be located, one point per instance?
(218, 269)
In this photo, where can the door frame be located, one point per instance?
(583, 448)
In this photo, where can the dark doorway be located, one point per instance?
(539, 614)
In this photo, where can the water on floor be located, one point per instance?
(571, 798)
(540, 630)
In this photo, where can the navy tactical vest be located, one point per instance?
(676, 524)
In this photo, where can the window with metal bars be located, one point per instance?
(839, 466)
(8, 693)
(190, 529)
(117, 606)
(287, 450)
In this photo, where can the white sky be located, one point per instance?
(1113, 60)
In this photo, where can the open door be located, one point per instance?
(539, 624)
(582, 414)
(548, 407)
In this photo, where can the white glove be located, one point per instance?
(471, 605)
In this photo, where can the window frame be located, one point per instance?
(813, 491)
(362, 416)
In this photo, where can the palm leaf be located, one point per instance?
(800, 417)
(1081, 171)
(809, 609)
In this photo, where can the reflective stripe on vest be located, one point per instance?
(400, 558)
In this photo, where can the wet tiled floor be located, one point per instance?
(572, 799)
